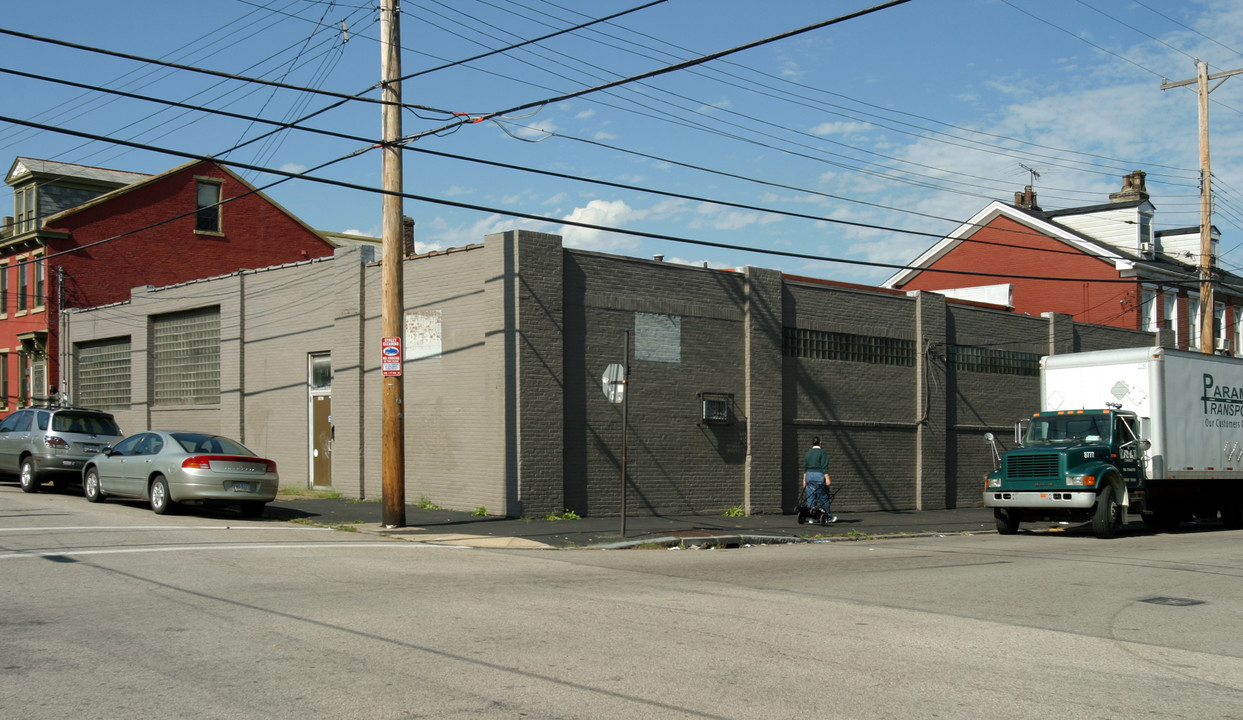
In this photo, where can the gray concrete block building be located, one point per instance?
(731, 373)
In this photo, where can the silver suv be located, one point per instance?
(38, 444)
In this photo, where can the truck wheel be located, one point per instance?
(1232, 513)
(1161, 520)
(1107, 518)
(1007, 521)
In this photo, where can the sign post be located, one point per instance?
(614, 383)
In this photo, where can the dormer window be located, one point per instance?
(1146, 246)
(207, 206)
(24, 208)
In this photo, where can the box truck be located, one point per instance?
(1151, 432)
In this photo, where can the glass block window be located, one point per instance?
(186, 357)
(822, 345)
(991, 360)
(104, 374)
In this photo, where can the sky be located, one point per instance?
(841, 152)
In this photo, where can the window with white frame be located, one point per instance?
(1193, 321)
(1237, 335)
(1169, 307)
(1148, 310)
(104, 374)
(1219, 326)
(186, 357)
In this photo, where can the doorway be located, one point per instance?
(319, 399)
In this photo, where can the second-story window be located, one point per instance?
(207, 206)
(4, 289)
(23, 285)
(40, 281)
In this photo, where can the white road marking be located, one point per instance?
(160, 527)
(200, 548)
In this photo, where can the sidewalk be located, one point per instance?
(463, 528)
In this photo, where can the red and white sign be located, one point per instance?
(390, 356)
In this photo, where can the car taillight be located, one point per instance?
(56, 443)
(197, 462)
(271, 465)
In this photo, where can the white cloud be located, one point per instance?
(840, 128)
(609, 213)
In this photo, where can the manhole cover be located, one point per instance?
(1175, 602)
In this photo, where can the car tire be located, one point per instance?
(27, 477)
(90, 486)
(161, 503)
(253, 509)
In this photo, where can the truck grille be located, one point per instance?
(1030, 466)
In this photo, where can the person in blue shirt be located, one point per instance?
(816, 482)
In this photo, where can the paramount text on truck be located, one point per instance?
(1151, 431)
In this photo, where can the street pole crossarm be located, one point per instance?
(1167, 85)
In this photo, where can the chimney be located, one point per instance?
(407, 236)
(658, 258)
(1132, 188)
(1026, 199)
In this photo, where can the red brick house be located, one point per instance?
(83, 237)
(1100, 264)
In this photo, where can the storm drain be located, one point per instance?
(1173, 601)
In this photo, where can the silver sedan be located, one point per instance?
(193, 468)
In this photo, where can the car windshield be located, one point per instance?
(203, 443)
(68, 421)
(1067, 429)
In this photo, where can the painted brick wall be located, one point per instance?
(675, 461)
(511, 415)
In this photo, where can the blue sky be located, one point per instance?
(827, 144)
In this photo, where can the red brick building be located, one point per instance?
(1101, 264)
(83, 237)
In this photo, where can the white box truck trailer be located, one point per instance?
(1147, 431)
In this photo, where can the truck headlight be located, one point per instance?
(1081, 480)
(993, 482)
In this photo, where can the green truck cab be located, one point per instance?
(1076, 466)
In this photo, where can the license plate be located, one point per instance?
(240, 487)
(90, 449)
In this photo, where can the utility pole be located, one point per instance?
(1206, 199)
(392, 421)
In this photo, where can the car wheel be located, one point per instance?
(90, 486)
(161, 503)
(253, 509)
(30, 483)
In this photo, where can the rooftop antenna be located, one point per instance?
(1035, 175)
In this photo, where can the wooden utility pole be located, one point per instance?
(1206, 200)
(392, 420)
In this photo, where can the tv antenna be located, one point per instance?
(1035, 175)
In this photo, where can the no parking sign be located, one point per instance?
(390, 356)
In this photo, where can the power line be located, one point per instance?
(287, 175)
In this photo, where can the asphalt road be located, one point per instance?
(112, 612)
